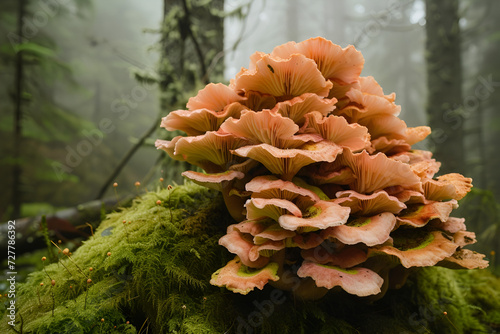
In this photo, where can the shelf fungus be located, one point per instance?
(318, 171)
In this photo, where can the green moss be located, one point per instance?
(245, 271)
(346, 271)
(157, 278)
(409, 239)
(358, 222)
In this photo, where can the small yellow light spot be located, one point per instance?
(183, 307)
(44, 258)
(161, 179)
(59, 242)
(137, 183)
(41, 284)
(102, 319)
(445, 313)
(66, 251)
(91, 268)
(115, 184)
(492, 253)
(108, 254)
(89, 281)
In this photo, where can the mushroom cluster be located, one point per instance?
(317, 168)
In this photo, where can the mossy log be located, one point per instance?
(151, 266)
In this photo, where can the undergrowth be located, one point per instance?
(151, 266)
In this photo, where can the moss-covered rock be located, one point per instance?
(151, 266)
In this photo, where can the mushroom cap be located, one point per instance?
(388, 146)
(282, 78)
(370, 231)
(325, 173)
(241, 244)
(299, 106)
(306, 240)
(334, 62)
(369, 85)
(287, 162)
(407, 196)
(197, 122)
(346, 257)
(416, 248)
(252, 227)
(258, 101)
(273, 232)
(376, 172)
(169, 147)
(337, 130)
(321, 215)
(273, 208)
(451, 225)
(211, 151)
(368, 205)
(237, 277)
(464, 259)
(417, 134)
(464, 238)
(356, 281)
(215, 96)
(373, 104)
(448, 186)
(268, 186)
(216, 181)
(267, 127)
(384, 125)
(266, 249)
(418, 215)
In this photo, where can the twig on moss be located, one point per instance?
(38, 294)
(53, 283)
(91, 228)
(69, 257)
(45, 232)
(87, 293)
(140, 330)
(126, 231)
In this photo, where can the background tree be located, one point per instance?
(29, 69)
(192, 55)
(444, 82)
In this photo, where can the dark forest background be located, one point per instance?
(84, 83)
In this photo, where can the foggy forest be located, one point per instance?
(84, 85)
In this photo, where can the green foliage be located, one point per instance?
(482, 213)
(470, 299)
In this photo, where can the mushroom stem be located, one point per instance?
(234, 204)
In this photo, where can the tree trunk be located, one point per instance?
(444, 81)
(18, 96)
(192, 56)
